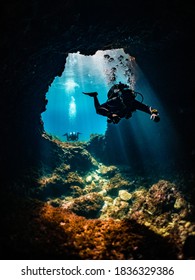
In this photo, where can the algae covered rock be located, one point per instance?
(125, 195)
(58, 184)
(117, 183)
(74, 179)
(88, 179)
(79, 158)
(108, 171)
(87, 205)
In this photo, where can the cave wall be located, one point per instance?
(36, 37)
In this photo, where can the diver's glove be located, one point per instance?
(113, 118)
(154, 115)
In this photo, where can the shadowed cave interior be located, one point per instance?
(81, 200)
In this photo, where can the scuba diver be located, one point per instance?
(72, 136)
(121, 103)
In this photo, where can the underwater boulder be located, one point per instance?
(117, 183)
(51, 186)
(108, 171)
(125, 195)
(87, 205)
(60, 183)
(79, 158)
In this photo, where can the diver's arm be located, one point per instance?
(149, 110)
(142, 107)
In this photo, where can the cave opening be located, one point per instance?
(68, 110)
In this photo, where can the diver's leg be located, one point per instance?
(100, 109)
(95, 98)
(96, 102)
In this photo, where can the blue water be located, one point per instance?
(68, 110)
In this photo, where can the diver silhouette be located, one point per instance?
(121, 103)
(72, 136)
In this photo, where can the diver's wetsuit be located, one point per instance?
(122, 105)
